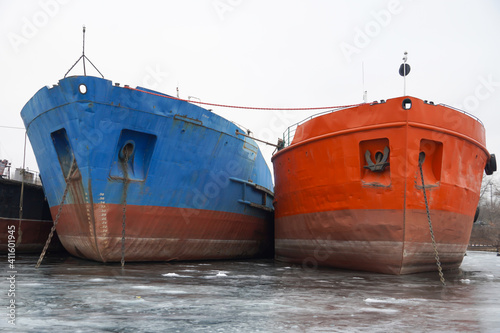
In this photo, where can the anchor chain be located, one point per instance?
(438, 263)
(124, 215)
(52, 230)
(124, 218)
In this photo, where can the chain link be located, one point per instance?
(124, 218)
(125, 190)
(438, 263)
(52, 230)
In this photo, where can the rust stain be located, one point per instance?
(162, 234)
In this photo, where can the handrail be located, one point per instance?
(289, 133)
(462, 111)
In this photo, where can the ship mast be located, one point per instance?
(365, 93)
(404, 70)
(83, 53)
(83, 57)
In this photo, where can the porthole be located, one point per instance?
(407, 104)
(82, 88)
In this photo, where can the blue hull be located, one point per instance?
(162, 167)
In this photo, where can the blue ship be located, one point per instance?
(137, 175)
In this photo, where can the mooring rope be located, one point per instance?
(21, 198)
(438, 263)
(245, 107)
(12, 127)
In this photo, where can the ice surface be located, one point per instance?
(72, 295)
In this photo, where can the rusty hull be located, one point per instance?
(161, 233)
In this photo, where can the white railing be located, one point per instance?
(289, 133)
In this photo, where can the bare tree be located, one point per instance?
(486, 230)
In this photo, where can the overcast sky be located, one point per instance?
(285, 53)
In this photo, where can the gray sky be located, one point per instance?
(285, 53)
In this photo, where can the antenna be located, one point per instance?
(83, 57)
(365, 93)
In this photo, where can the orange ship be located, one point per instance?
(349, 188)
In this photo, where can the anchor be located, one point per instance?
(380, 160)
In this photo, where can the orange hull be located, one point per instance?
(333, 209)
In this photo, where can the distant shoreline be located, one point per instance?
(488, 248)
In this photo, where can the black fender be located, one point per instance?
(491, 165)
(477, 214)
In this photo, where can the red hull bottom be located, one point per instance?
(162, 234)
(382, 241)
(34, 234)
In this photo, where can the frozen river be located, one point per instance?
(72, 295)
